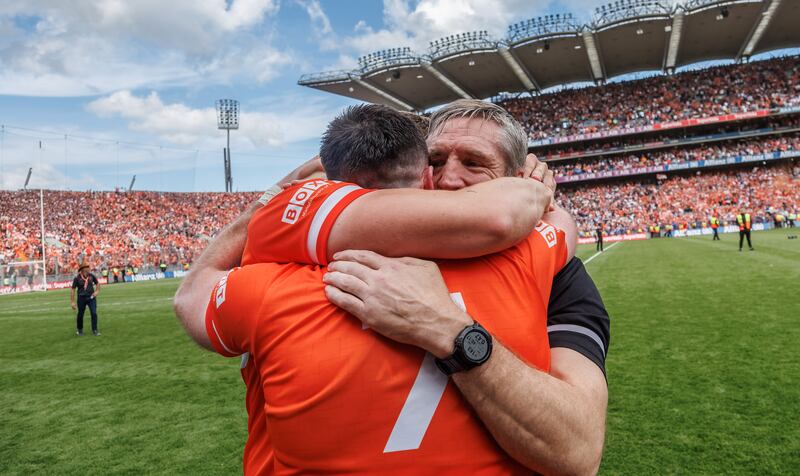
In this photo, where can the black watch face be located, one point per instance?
(476, 346)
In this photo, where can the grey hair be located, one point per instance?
(513, 141)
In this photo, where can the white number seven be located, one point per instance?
(421, 403)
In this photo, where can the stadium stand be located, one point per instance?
(710, 92)
(629, 164)
(107, 229)
(684, 201)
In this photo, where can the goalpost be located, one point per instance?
(22, 276)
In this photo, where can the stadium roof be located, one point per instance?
(624, 37)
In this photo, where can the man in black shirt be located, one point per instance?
(576, 316)
(598, 232)
(88, 288)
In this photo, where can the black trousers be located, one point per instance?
(83, 303)
(716, 234)
(599, 244)
(742, 234)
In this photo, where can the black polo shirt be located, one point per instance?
(576, 316)
(85, 287)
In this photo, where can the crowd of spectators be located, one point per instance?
(146, 229)
(693, 94)
(113, 229)
(675, 136)
(684, 201)
(679, 155)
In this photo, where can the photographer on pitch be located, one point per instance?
(88, 288)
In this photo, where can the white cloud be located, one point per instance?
(91, 47)
(416, 24)
(45, 176)
(319, 20)
(344, 62)
(181, 124)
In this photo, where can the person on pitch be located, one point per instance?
(87, 287)
(743, 219)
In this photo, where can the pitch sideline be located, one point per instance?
(600, 252)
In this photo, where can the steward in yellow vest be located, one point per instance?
(743, 219)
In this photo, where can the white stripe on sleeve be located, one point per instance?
(214, 326)
(319, 218)
(579, 330)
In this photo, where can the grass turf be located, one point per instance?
(703, 371)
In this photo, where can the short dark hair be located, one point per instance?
(422, 122)
(373, 146)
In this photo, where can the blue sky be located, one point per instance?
(132, 84)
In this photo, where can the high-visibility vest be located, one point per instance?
(743, 219)
(135, 270)
(792, 216)
(6, 281)
(104, 273)
(714, 223)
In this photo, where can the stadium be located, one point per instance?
(664, 124)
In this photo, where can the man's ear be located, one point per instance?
(427, 178)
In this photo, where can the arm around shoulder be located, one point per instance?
(474, 221)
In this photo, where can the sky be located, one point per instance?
(93, 92)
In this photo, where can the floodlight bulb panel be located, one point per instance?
(227, 114)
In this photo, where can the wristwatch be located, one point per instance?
(473, 347)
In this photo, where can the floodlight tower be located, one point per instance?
(228, 118)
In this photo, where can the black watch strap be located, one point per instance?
(459, 360)
(449, 365)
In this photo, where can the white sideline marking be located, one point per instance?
(600, 252)
(5, 313)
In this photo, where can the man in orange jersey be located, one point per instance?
(320, 203)
(507, 196)
(551, 423)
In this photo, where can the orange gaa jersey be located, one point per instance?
(258, 457)
(294, 226)
(339, 398)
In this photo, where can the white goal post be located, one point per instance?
(22, 276)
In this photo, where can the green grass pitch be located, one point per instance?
(704, 371)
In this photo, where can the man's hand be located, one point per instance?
(74, 307)
(537, 170)
(404, 299)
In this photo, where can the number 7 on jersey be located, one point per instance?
(421, 403)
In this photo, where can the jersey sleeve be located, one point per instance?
(295, 225)
(234, 308)
(576, 316)
(545, 253)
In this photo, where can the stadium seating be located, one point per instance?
(113, 229)
(144, 228)
(684, 201)
(693, 94)
(676, 156)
